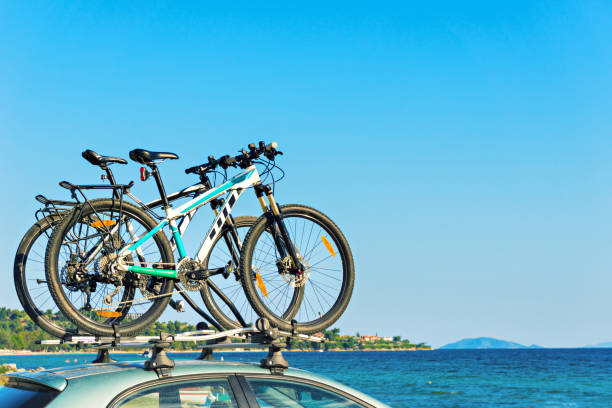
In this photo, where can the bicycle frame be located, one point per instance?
(186, 212)
(233, 188)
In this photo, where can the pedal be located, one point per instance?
(177, 305)
(228, 269)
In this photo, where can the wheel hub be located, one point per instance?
(105, 267)
(294, 279)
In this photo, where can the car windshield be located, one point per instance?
(26, 395)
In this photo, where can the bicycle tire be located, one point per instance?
(215, 305)
(43, 227)
(325, 318)
(94, 208)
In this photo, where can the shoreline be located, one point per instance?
(138, 351)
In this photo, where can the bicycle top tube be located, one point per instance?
(242, 180)
(196, 188)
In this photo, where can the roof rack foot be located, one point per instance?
(206, 354)
(159, 361)
(275, 360)
(103, 356)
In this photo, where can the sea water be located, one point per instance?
(439, 378)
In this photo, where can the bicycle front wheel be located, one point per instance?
(328, 276)
(82, 274)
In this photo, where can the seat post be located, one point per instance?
(160, 185)
(110, 176)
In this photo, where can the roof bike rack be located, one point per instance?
(263, 335)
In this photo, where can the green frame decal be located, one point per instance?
(164, 273)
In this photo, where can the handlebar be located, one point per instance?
(243, 160)
(203, 168)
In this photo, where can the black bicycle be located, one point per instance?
(31, 283)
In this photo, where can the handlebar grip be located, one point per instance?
(271, 147)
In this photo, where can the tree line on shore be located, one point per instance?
(18, 332)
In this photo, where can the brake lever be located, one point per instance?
(270, 155)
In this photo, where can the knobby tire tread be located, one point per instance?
(23, 251)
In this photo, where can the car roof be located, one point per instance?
(118, 376)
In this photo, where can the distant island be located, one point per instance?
(18, 332)
(486, 343)
(607, 344)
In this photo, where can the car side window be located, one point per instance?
(207, 393)
(282, 393)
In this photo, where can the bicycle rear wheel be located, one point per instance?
(81, 273)
(31, 282)
(328, 278)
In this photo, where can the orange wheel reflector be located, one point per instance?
(328, 245)
(261, 285)
(108, 313)
(99, 223)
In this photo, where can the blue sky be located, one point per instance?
(465, 149)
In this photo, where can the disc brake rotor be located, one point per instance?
(293, 279)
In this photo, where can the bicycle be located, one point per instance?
(30, 281)
(34, 243)
(283, 295)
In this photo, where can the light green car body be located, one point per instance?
(97, 385)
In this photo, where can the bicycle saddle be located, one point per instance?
(96, 159)
(143, 156)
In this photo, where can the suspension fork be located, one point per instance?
(260, 190)
(277, 226)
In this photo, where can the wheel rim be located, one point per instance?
(34, 288)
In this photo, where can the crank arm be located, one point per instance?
(206, 273)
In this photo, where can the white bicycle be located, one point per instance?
(110, 268)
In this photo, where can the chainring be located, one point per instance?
(185, 266)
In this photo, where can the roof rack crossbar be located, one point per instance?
(261, 336)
